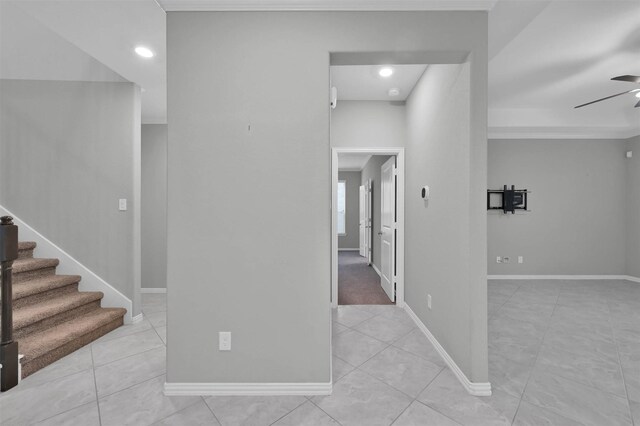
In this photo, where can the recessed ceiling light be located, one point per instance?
(638, 95)
(385, 72)
(145, 52)
(394, 92)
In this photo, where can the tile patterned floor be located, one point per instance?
(560, 353)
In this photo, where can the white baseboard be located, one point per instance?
(563, 277)
(348, 249)
(633, 279)
(137, 318)
(113, 298)
(474, 388)
(153, 290)
(244, 389)
(375, 268)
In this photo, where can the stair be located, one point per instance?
(51, 318)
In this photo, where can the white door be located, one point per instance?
(387, 231)
(363, 221)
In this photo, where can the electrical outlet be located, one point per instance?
(520, 259)
(224, 340)
(122, 204)
(506, 259)
(429, 301)
(498, 259)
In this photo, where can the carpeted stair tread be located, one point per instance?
(30, 314)
(26, 245)
(25, 249)
(38, 344)
(42, 284)
(31, 264)
(51, 318)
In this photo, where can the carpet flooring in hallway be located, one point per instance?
(358, 283)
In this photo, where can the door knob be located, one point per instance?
(379, 233)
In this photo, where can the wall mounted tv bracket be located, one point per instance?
(507, 200)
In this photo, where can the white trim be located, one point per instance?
(154, 120)
(334, 229)
(474, 388)
(515, 132)
(400, 171)
(20, 356)
(562, 277)
(375, 268)
(326, 5)
(400, 166)
(632, 279)
(138, 318)
(153, 290)
(243, 389)
(136, 202)
(113, 298)
(349, 249)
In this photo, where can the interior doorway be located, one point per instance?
(368, 95)
(367, 226)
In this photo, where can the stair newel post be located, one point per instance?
(8, 348)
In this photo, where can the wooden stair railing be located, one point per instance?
(8, 347)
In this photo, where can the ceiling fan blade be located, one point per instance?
(637, 105)
(608, 97)
(629, 78)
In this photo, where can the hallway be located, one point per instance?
(358, 283)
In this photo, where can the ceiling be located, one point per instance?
(563, 54)
(18, 63)
(545, 55)
(352, 162)
(105, 30)
(363, 82)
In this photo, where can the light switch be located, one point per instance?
(224, 340)
(122, 204)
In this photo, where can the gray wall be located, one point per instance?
(68, 152)
(154, 205)
(445, 248)
(266, 277)
(352, 225)
(366, 124)
(577, 221)
(633, 208)
(372, 171)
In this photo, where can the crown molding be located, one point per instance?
(584, 132)
(325, 5)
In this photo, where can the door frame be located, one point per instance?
(399, 153)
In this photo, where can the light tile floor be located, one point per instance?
(560, 353)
